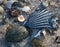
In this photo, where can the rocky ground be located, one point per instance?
(49, 39)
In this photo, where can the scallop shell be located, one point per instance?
(40, 19)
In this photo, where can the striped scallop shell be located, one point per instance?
(40, 19)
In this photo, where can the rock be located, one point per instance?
(16, 34)
(1, 1)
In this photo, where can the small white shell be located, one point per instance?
(26, 8)
(21, 18)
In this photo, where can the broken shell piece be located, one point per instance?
(21, 18)
(44, 32)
